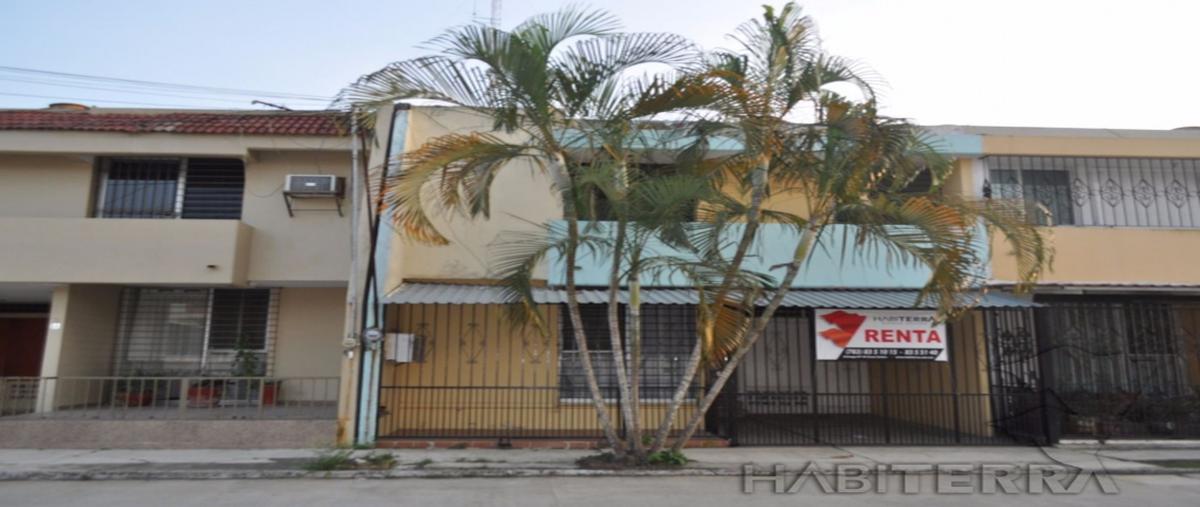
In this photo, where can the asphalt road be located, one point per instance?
(1142, 491)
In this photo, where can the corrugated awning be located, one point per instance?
(431, 293)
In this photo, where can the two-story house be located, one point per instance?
(1119, 326)
(182, 271)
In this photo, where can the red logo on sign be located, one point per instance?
(847, 324)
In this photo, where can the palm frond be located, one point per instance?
(460, 167)
(547, 31)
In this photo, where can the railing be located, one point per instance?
(1093, 191)
(169, 397)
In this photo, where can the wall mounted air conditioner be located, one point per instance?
(310, 186)
(313, 185)
(401, 348)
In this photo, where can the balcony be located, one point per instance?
(123, 251)
(1104, 192)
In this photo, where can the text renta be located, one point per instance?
(902, 336)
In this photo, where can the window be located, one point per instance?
(600, 208)
(171, 188)
(668, 333)
(193, 331)
(1046, 193)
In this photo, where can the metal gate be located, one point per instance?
(1122, 367)
(781, 395)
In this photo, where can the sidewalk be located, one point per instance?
(17, 464)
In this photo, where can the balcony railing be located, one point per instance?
(169, 397)
(1092, 191)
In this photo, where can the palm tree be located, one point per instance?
(848, 163)
(563, 85)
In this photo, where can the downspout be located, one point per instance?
(377, 275)
(349, 395)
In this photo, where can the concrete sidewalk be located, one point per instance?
(289, 463)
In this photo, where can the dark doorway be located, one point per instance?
(22, 340)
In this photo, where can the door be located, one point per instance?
(21, 343)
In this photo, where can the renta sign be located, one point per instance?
(879, 334)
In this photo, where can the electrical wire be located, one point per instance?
(121, 90)
(164, 85)
(93, 100)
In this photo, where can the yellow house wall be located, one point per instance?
(1111, 254)
(482, 376)
(521, 196)
(1092, 146)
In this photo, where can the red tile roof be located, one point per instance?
(268, 123)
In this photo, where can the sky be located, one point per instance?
(1047, 63)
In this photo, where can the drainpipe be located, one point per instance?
(377, 275)
(349, 393)
(364, 433)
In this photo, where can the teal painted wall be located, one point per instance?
(836, 262)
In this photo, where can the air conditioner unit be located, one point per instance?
(313, 185)
(401, 348)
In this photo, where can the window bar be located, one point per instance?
(208, 313)
(180, 188)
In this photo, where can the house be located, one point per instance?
(166, 279)
(453, 371)
(1119, 327)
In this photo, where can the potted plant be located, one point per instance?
(247, 365)
(204, 392)
(134, 393)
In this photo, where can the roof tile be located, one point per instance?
(298, 123)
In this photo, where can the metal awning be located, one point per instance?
(463, 294)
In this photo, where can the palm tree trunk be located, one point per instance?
(798, 258)
(602, 415)
(757, 196)
(614, 326)
(635, 355)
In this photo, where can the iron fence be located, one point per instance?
(1100, 191)
(169, 397)
(1122, 367)
(782, 395)
(477, 376)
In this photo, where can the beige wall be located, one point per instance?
(84, 344)
(308, 341)
(45, 185)
(272, 248)
(132, 251)
(312, 246)
(1112, 254)
(81, 347)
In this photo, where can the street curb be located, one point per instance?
(451, 473)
